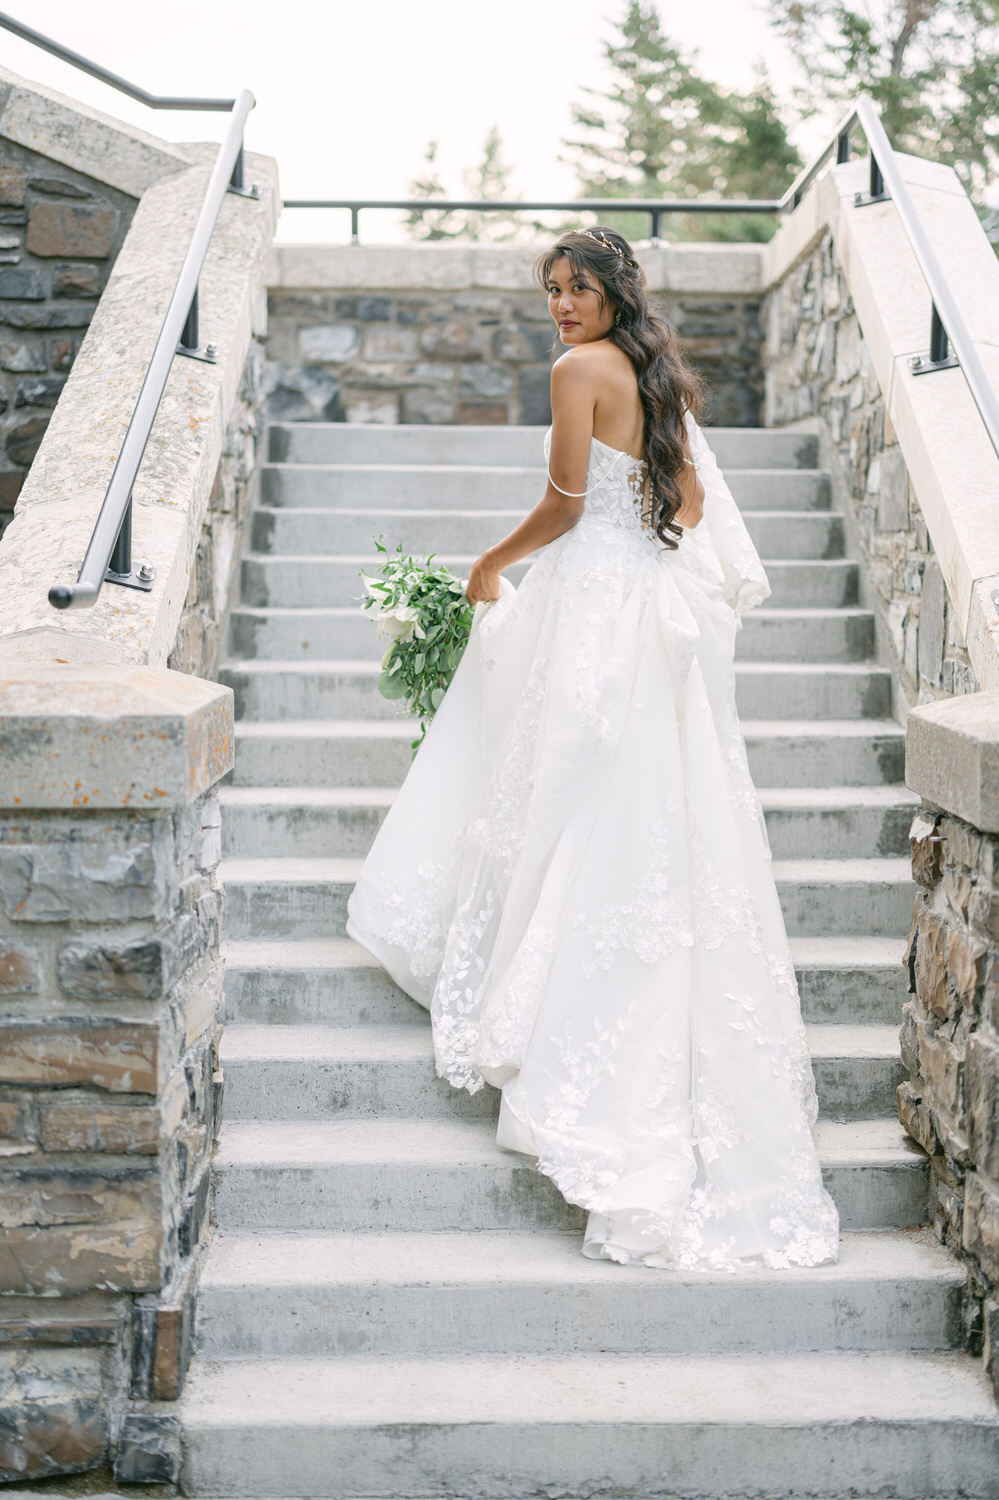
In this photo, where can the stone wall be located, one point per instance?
(442, 334)
(199, 644)
(950, 1031)
(110, 1088)
(818, 366)
(110, 905)
(59, 234)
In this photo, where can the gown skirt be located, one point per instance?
(575, 880)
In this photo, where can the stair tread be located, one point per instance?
(369, 667)
(291, 868)
(255, 1042)
(888, 796)
(403, 728)
(445, 1257)
(450, 1140)
(308, 953)
(592, 1389)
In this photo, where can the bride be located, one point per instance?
(575, 877)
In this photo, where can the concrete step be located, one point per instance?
(303, 898)
(372, 752)
(767, 689)
(345, 633)
(417, 500)
(826, 1425)
(335, 982)
(838, 822)
(324, 572)
(315, 822)
(388, 1073)
(361, 443)
(433, 1295)
(374, 1176)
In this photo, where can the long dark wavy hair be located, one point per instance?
(666, 383)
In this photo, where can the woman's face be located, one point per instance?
(576, 303)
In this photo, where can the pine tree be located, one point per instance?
(663, 130)
(490, 180)
(932, 67)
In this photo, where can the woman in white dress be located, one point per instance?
(575, 876)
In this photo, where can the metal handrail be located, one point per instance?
(947, 326)
(154, 101)
(109, 553)
(654, 207)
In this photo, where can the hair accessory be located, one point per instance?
(602, 239)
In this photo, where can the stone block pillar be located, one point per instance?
(110, 1086)
(950, 1030)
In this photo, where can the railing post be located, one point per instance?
(355, 224)
(236, 180)
(842, 148)
(877, 181)
(939, 342)
(940, 357)
(189, 338)
(656, 216)
(120, 562)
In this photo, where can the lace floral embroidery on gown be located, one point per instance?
(575, 880)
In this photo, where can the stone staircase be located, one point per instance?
(392, 1306)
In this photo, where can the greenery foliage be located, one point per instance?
(489, 180)
(426, 614)
(932, 67)
(663, 130)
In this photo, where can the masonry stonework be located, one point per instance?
(442, 355)
(950, 1028)
(199, 645)
(818, 365)
(110, 1086)
(60, 232)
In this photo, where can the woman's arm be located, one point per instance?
(692, 489)
(574, 397)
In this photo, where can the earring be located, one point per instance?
(617, 318)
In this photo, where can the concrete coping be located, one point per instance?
(952, 757)
(101, 737)
(722, 269)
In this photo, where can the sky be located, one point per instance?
(349, 92)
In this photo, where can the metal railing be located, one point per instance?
(65, 54)
(950, 342)
(108, 558)
(654, 207)
(109, 555)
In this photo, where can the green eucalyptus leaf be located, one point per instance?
(390, 686)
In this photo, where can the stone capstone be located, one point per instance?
(952, 757)
(103, 737)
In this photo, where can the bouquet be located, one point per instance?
(426, 614)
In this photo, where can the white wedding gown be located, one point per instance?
(575, 880)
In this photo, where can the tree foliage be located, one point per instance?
(662, 129)
(932, 67)
(489, 180)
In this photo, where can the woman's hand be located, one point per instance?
(483, 580)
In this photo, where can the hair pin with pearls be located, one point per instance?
(609, 245)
